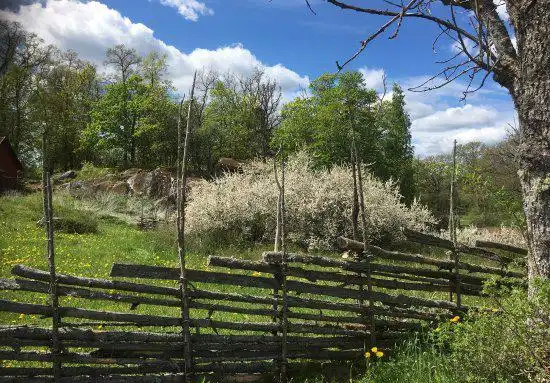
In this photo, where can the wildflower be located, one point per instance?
(345, 255)
(256, 274)
(379, 354)
(100, 327)
(374, 350)
(367, 355)
(21, 316)
(454, 319)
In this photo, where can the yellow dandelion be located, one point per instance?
(374, 350)
(21, 316)
(256, 274)
(454, 319)
(379, 354)
(367, 355)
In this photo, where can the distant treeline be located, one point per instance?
(128, 117)
(488, 188)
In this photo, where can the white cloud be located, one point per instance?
(90, 28)
(190, 9)
(373, 77)
(438, 117)
(454, 118)
(430, 143)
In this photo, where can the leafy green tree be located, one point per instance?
(135, 121)
(240, 118)
(322, 123)
(398, 150)
(64, 94)
(24, 58)
(111, 135)
(488, 188)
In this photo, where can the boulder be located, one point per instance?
(154, 184)
(71, 174)
(120, 188)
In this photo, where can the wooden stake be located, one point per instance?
(364, 235)
(181, 197)
(49, 225)
(284, 309)
(452, 235)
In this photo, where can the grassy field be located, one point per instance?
(111, 239)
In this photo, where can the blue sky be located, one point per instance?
(293, 45)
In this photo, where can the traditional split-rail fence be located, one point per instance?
(236, 310)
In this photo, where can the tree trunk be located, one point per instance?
(531, 95)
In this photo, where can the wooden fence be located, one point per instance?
(236, 310)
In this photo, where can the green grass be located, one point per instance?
(92, 254)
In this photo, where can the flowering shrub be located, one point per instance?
(242, 206)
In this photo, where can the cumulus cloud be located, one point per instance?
(438, 118)
(454, 118)
(190, 9)
(374, 78)
(430, 143)
(89, 28)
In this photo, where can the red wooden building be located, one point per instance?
(11, 169)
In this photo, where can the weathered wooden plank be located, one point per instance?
(303, 287)
(384, 268)
(501, 246)
(349, 244)
(332, 276)
(140, 319)
(427, 239)
(37, 274)
(28, 332)
(170, 273)
(40, 287)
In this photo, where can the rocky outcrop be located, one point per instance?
(154, 184)
(158, 185)
(120, 188)
(68, 175)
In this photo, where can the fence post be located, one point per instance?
(284, 308)
(452, 234)
(181, 199)
(364, 256)
(49, 225)
(277, 265)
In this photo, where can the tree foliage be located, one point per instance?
(488, 189)
(341, 105)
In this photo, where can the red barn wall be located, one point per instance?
(9, 167)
